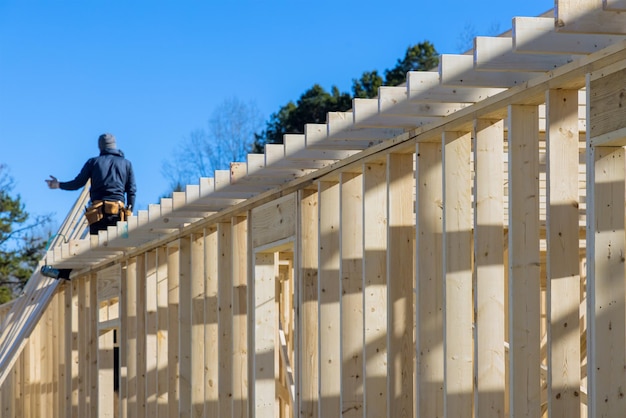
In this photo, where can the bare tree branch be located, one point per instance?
(229, 137)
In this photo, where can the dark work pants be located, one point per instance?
(102, 224)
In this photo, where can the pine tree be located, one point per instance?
(20, 247)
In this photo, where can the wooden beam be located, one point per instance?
(18, 376)
(563, 265)
(74, 355)
(286, 366)
(397, 116)
(124, 331)
(614, 5)
(279, 171)
(51, 378)
(489, 273)
(91, 333)
(151, 337)
(141, 335)
(105, 375)
(328, 290)
(317, 138)
(224, 262)
(297, 153)
(23, 318)
(296, 156)
(197, 323)
(264, 336)
(429, 279)
(351, 274)
(316, 135)
(211, 322)
(308, 325)
(587, 16)
(400, 284)
(173, 334)
(29, 380)
(497, 54)
(185, 329)
(274, 221)
(606, 340)
(45, 366)
(162, 307)
(425, 86)
(458, 70)
(389, 99)
(222, 179)
(10, 393)
(286, 327)
(524, 262)
(52, 363)
(365, 109)
(274, 153)
(375, 289)
(75, 223)
(253, 186)
(64, 320)
(457, 265)
(607, 114)
(240, 274)
(538, 35)
(109, 283)
(404, 107)
(341, 127)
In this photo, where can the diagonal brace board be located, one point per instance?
(22, 320)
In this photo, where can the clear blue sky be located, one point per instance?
(151, 72)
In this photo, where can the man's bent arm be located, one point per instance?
(79, 181)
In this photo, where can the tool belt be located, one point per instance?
(100, 208)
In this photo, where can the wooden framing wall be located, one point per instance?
(454, 247)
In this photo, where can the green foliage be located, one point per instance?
(420, 57)
(367, 86)
(315, 103)
(5, 295)
(20, 248)
(311, 107)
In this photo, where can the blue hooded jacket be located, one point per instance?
(111, 177)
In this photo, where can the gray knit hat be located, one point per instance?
(106, 141)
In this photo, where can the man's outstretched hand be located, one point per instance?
(53, 183)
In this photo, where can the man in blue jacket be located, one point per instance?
(112, 179)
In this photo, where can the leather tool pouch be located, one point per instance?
(112, 208)
(95, 212)
(99, 209)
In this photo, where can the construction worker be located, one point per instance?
(111, 178)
